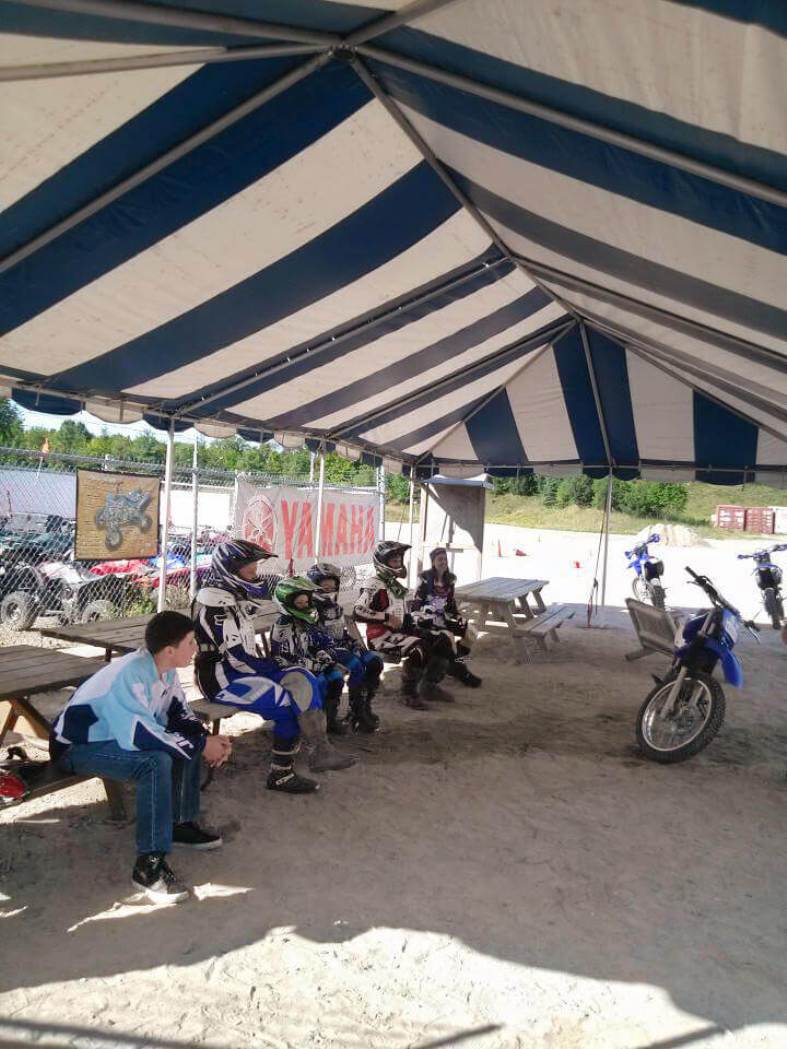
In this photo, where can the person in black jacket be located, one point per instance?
(435, 600)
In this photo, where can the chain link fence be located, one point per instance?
(42, 584)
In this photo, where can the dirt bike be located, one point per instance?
(685, 710)
(647, 582)
(126, 508)
(769, 580)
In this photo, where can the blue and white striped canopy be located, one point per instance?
(451, 234)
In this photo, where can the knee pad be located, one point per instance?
(304, 689)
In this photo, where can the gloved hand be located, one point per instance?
(322, 660)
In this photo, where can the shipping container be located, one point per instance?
(760, 519)
(732, 517)
(780, 519)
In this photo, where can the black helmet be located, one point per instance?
(383, 553)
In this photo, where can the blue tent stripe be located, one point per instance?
(194, 103)
(459, 379)
(493, 433)
(662, 129)
(433, 427)
(306, 14)
(609, 364)
(416, 363)
(204, 178)
(722, 439)
(767, 13)
(589, 160)
(45, 402)
(393, 221)
(673, 284)
(390, 316)
(578, 397)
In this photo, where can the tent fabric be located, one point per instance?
(459, 235)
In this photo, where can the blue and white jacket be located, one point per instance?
(127, 701)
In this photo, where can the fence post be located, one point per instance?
(381, 491)
(162, 579)
(320, 492)
(194, 520)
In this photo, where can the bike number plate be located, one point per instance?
(731, 626)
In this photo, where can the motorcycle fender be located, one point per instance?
(731, 665)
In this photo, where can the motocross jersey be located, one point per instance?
(376, 606)
(295, 642)
(224, 630)
(436, 593)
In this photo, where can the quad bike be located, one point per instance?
(125, 508)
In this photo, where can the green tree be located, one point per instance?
(11, 428)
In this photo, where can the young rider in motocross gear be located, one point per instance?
(296, 640)
(435, 598)
(229, 668)
(391, 630)
(364, 667)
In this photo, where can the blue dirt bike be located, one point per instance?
(769, 580)
(647, 581)
(686, 709)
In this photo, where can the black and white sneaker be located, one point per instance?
(153, 875)
(191, 836)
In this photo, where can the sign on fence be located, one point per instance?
(284, 521)
(117, 516)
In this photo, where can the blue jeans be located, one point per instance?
(167, 787)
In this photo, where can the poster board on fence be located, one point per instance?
(117, 516)
(284, 521)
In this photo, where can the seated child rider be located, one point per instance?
(295, 640)
(364, 667)
(391, 631)
(229, 668)
(130, 721)
(435, 596)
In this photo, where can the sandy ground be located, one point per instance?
(503, 872)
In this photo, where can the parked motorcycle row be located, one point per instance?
(40, 578)
(686, 709)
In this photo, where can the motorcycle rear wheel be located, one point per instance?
(773, 607)
(669, 740)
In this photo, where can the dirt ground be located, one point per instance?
(503, 872)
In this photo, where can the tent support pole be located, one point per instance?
(585, 127)
(381, 494)
(607, 515)
(170, 156)
(607, 449)
(408, 13)
(320, 493)
(423, 509)
(194, 519)
(410, 522)
(200, 56)
(168, 464)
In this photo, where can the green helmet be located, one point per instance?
(288, 589)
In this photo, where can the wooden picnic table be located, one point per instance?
(500, 603)
(113, 635)
(27, 671)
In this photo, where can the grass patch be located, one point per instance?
(528, 511)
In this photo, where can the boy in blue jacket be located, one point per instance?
(131, 721)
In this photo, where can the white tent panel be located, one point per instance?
(536, 398)
(628, 59)
(663, 413)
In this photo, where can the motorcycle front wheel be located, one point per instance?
(640, 589)
(773, 607)
(697, 717)
(657, 595)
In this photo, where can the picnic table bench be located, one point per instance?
(505, 602)
(25, 673)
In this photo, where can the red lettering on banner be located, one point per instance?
(326, 538)
(356, 529)
(289, 517)
(368, 536)
(342, 546)
(305, 535)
